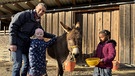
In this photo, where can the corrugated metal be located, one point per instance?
(65, 2)
(35, 2)
(24, 5)
(12, 7)
(4, 10)
(50, 2)
(82, 1)
(9, 1)
(5, 1)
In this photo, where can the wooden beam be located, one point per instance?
(98, 9)
(73, 2)
(41, 1)
(7, 8)
(30, 4)
(5, 16)
(18, 6)
(15, 1)
(5, 21)
(58, 3)
(89, 1)
(1, 12)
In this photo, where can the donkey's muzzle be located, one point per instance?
(75, 51)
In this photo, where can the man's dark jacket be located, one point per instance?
(22, 27)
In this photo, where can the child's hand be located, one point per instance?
(101, 60)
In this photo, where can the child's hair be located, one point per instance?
(34, 36)
(38, 29)
(106, 32)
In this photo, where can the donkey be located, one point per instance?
(67, 43)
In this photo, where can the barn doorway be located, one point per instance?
(94, 21)
(4, 24)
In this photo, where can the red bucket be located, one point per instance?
(69, 66)
(115, 65)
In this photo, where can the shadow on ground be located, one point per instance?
(6, 69)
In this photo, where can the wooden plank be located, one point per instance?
(62, 19)
(132, 34)
(58, 3)
(4, 32)
(42, 21)
(98, 27)
(127, 34)
(122, 34)
(91, 33)
(115, 30)
(55, 23)
(49, 22)
(7, 8)
(41, 1)
(73, 23)
(73, 2)
(18, 6)
(99, 9)
(84, 35)
(68, 21)
(45, 22)
(30, 4)
(106, 20)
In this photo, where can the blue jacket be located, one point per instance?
(23, 26)
(37, 56)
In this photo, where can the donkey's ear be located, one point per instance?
(77, 25)
(65, 27)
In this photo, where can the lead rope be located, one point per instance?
(70, 57)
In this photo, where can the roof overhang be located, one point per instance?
(10, 7)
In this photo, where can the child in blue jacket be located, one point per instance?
(37, 53)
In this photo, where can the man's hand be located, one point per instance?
(13, 48)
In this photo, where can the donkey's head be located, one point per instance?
(73, 38)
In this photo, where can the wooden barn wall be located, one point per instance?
(120, 22)
(127, 34)
(93, 23)
(51, 21)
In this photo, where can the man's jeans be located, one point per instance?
(17, 57)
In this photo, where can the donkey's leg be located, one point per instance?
(60, 69)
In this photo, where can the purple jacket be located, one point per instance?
(106, 51)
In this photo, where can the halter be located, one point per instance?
(74, 46)
(70, 55)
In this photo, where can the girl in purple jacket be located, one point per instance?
(106, 52)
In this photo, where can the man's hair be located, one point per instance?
(41, 4)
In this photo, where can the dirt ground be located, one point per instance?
(6, 65)
(6, 69)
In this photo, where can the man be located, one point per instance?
(21, 28)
